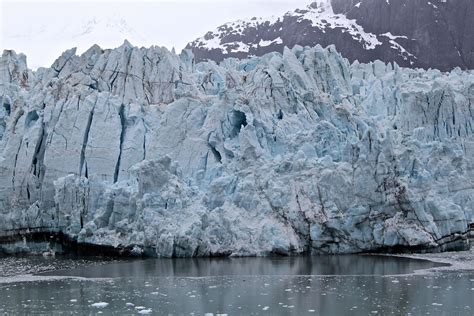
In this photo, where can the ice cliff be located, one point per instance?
(300, 152)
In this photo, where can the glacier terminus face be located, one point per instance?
(300, 152)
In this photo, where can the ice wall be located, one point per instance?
(298, 152)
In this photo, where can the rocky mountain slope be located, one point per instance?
(144, 150)
(413, 33)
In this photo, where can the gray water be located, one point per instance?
(333, 285)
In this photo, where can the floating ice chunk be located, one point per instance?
(100, 305)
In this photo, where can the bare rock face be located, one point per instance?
(291, 153)
(417, 33)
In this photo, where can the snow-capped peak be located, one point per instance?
(320, 13)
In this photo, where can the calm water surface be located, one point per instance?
(338, 285)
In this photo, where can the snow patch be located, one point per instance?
(324, 17)
(264, 43)
(396, 46)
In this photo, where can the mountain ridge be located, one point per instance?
(419, 33)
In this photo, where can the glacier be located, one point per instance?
(145, 151)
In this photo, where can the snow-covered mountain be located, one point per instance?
(98, 30)
(413, 33)
(53, 37)
(144, 151)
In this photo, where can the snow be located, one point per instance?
(235, 28)
(143, 149)
(392, 37)
(213, 43)
(264, 43)
(322, 17)
(326, 18)
(402, 51)
(241, 47)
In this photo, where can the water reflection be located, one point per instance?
(319, 265)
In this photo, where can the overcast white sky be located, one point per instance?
(44, 29)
